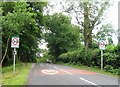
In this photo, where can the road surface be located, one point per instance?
(53, 74)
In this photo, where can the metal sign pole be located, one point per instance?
(14, 44)
(101, 59)
(14, 53)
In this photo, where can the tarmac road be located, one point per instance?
(53, 74)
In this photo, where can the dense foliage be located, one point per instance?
(88, 15)
(92, 57)
(24, 20)
(67, 42)
(61, 35)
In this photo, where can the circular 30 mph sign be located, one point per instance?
(102, 45)
(15, 42)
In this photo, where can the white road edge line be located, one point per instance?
(88, 81)
(33, 65)
(66, 71)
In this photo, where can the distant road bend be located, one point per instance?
(53, 74)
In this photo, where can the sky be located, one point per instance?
(111, 16)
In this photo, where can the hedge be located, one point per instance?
(92, 57)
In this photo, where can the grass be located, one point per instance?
(17, 78)
(94, 69)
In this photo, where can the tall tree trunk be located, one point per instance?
(87, 29)
(5, 52)
(119, 36)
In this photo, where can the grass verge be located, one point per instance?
(17, 78)
(94, 69)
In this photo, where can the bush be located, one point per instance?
(95, 60)
(112, 59)
(89, 57)
(92, 57)
(110, 68)
(72, 57)
(41, 60)
(63, 57)
(110, 48)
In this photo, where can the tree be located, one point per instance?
(88, 15)
(118, 35)
(20, 20)
(105, 33)
(61, 35)
(0, 33)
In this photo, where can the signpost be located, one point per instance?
(14, 44)
(102, 44)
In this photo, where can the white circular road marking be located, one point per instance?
(49, 71)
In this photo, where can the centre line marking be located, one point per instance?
(66, 71)
(41, 65)
(56, 67)
(88, 81)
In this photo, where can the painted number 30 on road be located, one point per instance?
(49, 71)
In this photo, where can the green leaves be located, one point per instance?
(15, 21)
(61, 35)
(21, 19)
(105, 31)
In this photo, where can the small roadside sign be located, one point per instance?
(15, 42)
(102, 44)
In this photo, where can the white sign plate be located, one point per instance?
(15, 42)
(102, 45)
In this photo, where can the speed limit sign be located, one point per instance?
(102, 45)
(15, 42)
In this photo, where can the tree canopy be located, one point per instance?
(88, 14)
(21, 19)
(66, 41)
(62, 36)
